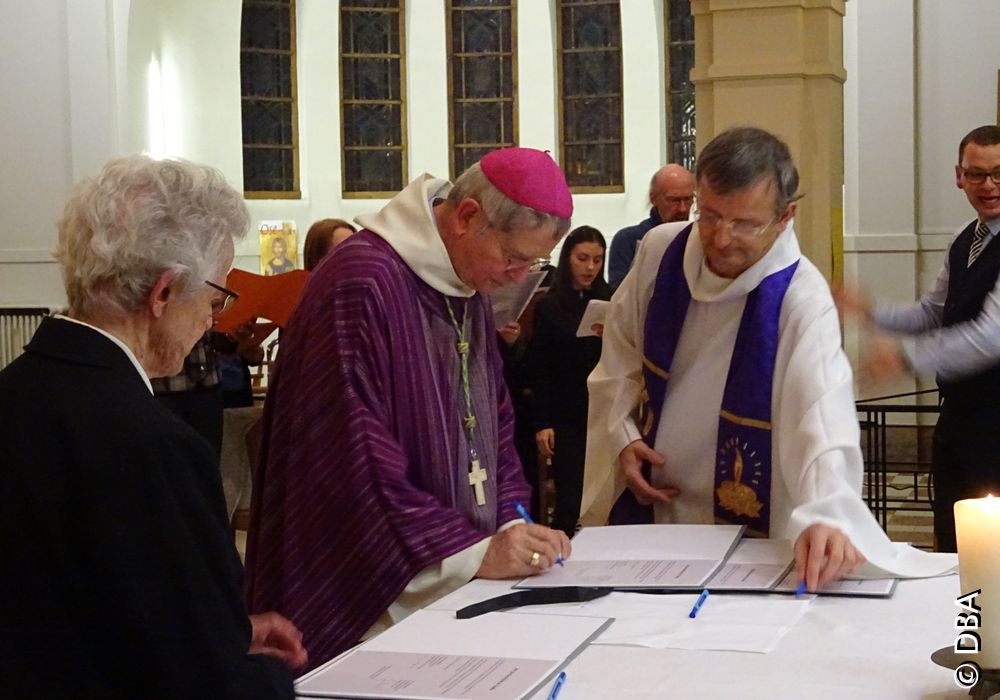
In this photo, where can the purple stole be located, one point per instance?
(743, 453)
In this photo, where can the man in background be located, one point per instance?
(671, 192)
(953, 331)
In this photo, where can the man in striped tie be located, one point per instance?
(954, 331)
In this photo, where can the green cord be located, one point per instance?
(463, 354)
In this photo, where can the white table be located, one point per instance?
(842, 649)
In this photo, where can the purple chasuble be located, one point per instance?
(363, 479)
(742, 493)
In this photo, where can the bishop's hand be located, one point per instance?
(512, 552)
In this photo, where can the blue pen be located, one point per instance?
(560, 679)
(698, 603)
(800, 590)
(527, 518)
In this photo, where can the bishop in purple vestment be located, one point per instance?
(388, 474)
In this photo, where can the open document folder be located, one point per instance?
(679, 557)
(432, 655)
(634, 557)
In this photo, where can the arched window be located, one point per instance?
(270, 114)
(590, 94)
(482, 70)
(372, 97)
(679, 33)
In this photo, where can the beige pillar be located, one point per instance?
(779, 65)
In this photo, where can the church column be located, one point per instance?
(778, 64)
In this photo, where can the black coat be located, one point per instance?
(561, 361)
(118, 574)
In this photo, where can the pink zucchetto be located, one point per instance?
(529, 177)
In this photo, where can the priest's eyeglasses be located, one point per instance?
(220, 305)
(741, 228)
(978, 177)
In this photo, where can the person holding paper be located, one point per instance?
(561, 364)
(722, 368)
(388, 474)
(119, 575)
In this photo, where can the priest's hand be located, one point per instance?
(512, 551)
(630, 465)
(277, 636)
(824, 554)
(545, 439)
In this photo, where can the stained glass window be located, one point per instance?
(482, 55)
(680, 91)
(590, 94)
(372, 79)
(267, 78)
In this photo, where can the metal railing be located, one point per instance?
(873, 416)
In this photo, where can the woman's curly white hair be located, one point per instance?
(138, 218)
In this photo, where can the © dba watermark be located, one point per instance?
(968, 621)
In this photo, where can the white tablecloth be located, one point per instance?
(841, 649)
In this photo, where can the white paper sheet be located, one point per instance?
(747, 623)
(756, 565)
(596, 312)
(509, 301)
(431, 655)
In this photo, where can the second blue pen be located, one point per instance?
(698, 603)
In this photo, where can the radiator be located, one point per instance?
(16, 328)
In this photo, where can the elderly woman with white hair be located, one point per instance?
(120, 578)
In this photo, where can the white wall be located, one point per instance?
(921, 74)
(35, 143)
(84, 92)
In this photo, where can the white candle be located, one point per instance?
(977, 525)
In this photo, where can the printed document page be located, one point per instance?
(861, 588)
(432, 655)
(642, 556)
(756, 565)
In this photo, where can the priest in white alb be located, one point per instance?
(723, 394)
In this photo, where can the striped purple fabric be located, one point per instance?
(363, 476)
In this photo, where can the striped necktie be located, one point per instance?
(978, 241)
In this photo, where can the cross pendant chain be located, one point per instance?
(477, 475)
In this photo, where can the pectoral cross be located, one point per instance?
(477, 476)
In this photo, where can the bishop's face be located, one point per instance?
(488, 258)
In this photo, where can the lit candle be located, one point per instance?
(977, 525)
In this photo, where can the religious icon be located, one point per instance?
(278, 247)
(733, 494)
